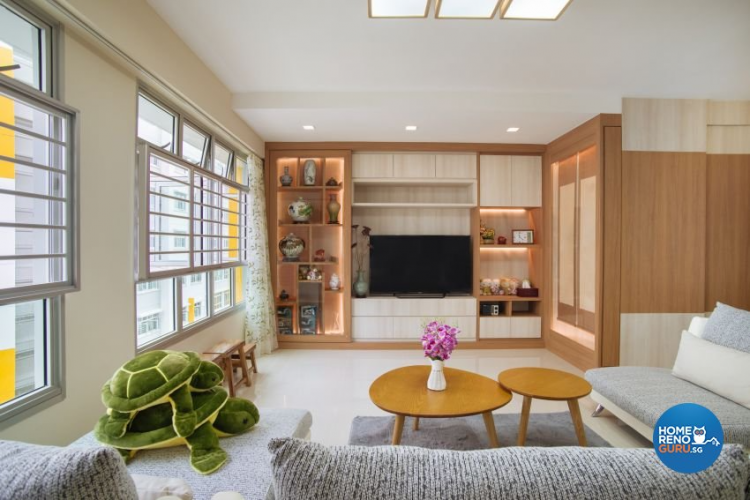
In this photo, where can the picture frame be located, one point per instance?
(285, 320)
(523, 237)
(308, 320)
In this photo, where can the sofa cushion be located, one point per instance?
(304, 470)
(248, 470)
(36, 472)
(730, 327)
(646, 393)
(719, 369)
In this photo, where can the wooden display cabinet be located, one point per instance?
(320, 313)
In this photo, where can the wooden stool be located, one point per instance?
(250, 354)
(224, 351)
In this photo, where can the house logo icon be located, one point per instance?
(688, 438)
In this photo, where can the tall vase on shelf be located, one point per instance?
(438, 341)
(334, 207)
(361, 287)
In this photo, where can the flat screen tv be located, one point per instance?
(411, 265)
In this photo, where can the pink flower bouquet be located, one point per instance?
(439, 340)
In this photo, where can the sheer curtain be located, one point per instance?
(260, 326)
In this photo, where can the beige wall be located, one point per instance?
(100, 319)
(138, 31)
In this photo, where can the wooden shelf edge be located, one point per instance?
(405, 181)
(507, 298)
(414, 205)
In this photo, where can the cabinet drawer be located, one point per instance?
(414, 165)
(456, 166)
(411, 327)
(494, 327)
(367, 328)
(526, 327)
(387, 306)
(369, 165)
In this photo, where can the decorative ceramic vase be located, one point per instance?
(310, 172)
(334, 207)
(286, 179)
(291, 247)
(335, 282)
(360, 286)
(437, 382)
(300, 211)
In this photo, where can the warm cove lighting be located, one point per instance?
(548, 10)
(503, 247)
(411, 128)
(308, 127)
(398, 8)
(503, 210)
(466, 9)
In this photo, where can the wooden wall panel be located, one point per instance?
(610, 312)
(668, 125)
(729, 113)
(728, 231)
(663, 232)
(729, 140)
(652, 339)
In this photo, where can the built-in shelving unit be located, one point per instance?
(319, 314)
(510, 194)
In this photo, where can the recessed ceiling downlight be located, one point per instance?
(411, 128)
(308, 127)
(513, 129)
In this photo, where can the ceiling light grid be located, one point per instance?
(539, 10)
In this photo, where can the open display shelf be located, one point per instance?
(319, 314)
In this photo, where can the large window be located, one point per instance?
(193, 205)
(38, 254)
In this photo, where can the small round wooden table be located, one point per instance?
(404, 393)
(544, 383)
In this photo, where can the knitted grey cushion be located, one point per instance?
(729, 326)
(35, 472)
(646, 393)
(304, 470)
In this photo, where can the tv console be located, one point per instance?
(420, 295)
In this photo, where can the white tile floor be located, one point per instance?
(334, 385)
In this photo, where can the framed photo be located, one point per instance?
(523, 236)
(308, 320)
(285, 320)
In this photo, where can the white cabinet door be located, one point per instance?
(495, 178)
(414, 165)
(494, 327)
(369, 165)
(372, 328)
(526, 181)
(526, 327)
(456, 166)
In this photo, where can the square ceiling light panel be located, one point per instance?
(546, 10)
(398, 8)
(466, 9)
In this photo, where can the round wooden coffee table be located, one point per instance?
(544, 383)
(404, 393)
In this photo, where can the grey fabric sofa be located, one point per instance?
(304, 470)
(248, 471)
(639, 395)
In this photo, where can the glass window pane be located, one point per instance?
(194, 298)
(194, 144)
(240, 172)
(222, 158)
(155, 310)
(239, 286)
(155, 124)
(23, 340)
(222, 289)
(20, 44)
(168, 262)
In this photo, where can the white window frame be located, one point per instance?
(21, 407)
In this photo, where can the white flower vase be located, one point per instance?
(436, 382)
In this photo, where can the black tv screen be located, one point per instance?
(401, 265)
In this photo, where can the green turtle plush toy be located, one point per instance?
(147, 415)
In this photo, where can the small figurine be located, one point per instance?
(283, 295)
(332, 182)
(502, 240)
(320, 256)
(487, 234)
(314, 274)
(335, 282)
(333, 259)
(526, 284)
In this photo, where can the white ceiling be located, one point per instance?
(325, 63)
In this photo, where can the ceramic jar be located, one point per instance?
(291, 247)
(300, 211)
(286, 179)
(335, 282)
(334, 207)
(310, 172)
